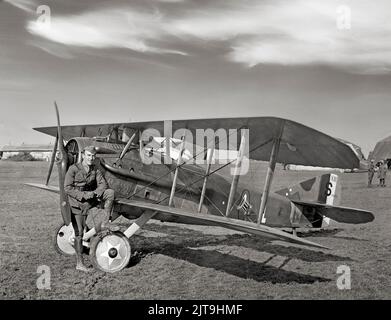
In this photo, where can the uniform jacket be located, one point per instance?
(381, 174)
(78, 183)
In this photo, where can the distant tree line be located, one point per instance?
(22, 156)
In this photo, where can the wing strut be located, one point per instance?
(269, 174)
(208, 164)
(236, 175)
(139, 223)
(174, 182)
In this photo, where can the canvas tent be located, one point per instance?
(382, 150)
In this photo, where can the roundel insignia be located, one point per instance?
(244, 203)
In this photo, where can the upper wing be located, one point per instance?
(300, 144)
(339, 214)
(234, 224)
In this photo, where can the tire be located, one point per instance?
(110, 251)
(62, 240)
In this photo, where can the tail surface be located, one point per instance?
(323, 189)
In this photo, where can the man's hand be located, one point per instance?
(98, 193)
(89, 195)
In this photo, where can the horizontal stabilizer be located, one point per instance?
(340, 214)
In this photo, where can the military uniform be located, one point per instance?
(85, 186)
(79, 185)
(371, 172)
(382, 174)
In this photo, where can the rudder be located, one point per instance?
(322, 189)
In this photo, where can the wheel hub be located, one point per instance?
(64, 240)
(113, 252)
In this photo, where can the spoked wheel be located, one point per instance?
(64, 239)
(110, 251)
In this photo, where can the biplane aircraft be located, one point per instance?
(184, 192)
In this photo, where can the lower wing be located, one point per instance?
(44, 187)
(234, 224)
(206, 219)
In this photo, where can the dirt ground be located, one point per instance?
(192, 262)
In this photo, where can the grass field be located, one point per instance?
(192, 262)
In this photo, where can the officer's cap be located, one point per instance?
(90, 149)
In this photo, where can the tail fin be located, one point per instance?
(323, 189)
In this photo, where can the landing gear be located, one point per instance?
(64, 240)
(110, 251)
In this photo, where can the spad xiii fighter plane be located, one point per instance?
(151, 183)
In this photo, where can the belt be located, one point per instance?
(84, 188)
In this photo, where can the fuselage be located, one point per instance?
(136, 180)
(133, 178)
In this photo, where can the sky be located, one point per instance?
(325, 64)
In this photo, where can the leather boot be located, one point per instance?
(79, 255)
(106, 224)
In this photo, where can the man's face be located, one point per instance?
(88, 158)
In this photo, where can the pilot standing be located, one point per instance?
(85, 186)
(371, 172)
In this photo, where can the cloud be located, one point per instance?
(299, 33)
(114, 28)
(295, 32)
(54, 50)
(25, 5)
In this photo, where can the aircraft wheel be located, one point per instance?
(64, 239)
(110, 251)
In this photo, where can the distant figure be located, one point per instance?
(382, 173)
(371, 172)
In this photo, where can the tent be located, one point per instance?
(382, 150)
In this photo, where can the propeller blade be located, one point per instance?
(52, 160)
(127, 146)
(59, 130)
(62, 165)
